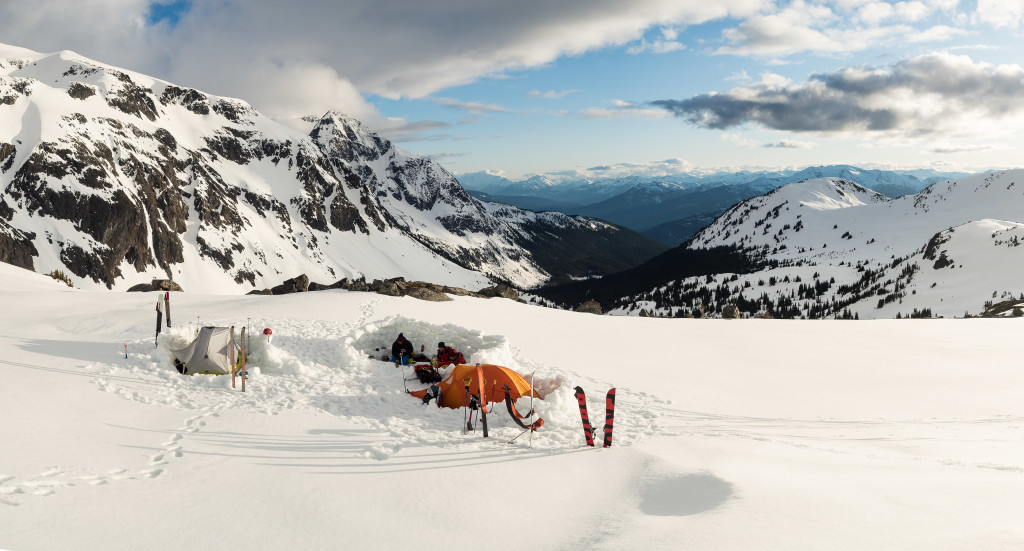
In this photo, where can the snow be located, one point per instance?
(729, 434)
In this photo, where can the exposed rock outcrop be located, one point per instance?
(156, 285)
(591, 306)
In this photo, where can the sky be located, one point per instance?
(592, 88)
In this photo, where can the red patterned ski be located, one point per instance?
(588, 431)
(609, 415)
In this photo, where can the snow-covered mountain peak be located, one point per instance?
(828, 193)
(118, 178)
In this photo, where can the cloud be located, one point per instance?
(653, 169)
(959, 148)
(391, 48)
(938, 33)
(1000, 13)
(400, 130)
(663, 44)
(738, 140)
(844, 26)
(624, 110)
(289, 58)
(550, 94)
(444, 156)
(472, 107)
(789, 144)
(919, 96)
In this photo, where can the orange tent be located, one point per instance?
(496, 378)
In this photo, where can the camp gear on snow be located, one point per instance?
(495, 377)
(427, 374)
(474, 402)
(212, 352)
(518, 418)
(433, 392)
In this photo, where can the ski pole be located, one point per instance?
(159, 318)
(532, 392)
(465, 404)
(397, 363)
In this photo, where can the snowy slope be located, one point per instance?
(828, 247)
(912, 442)
(117, 178)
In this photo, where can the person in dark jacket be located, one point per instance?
(448, 355)
(401, 350)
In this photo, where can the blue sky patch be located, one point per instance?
(170, 12)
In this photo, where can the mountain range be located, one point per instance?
(117, 178)
(672, 208)
(828, 247)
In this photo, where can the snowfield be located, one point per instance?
(729, 434)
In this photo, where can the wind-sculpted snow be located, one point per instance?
(117, 178)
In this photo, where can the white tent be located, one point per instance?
(213, 351)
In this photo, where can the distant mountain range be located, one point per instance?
(828, 247)
(117, 178)
(670, 209)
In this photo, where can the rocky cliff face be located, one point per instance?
(118, 178)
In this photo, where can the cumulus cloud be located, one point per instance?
(1001, 13)
(844, 26)
(919, 96)
(391, 48)
(292, 58)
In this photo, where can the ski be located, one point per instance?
(609, 415)
(588, 431)
(167, 306)
(483, 397)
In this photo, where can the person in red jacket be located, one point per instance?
(448, 355)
